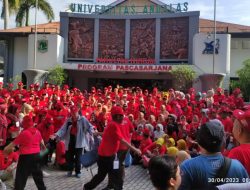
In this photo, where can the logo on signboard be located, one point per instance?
(209, 47)
(42, 46)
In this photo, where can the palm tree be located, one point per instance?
(26, 5)
(9, 7)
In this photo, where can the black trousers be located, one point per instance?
(105, 166)
(73, 156)
(29, 164)
(121, 154)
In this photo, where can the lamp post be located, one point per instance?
(214, 35)
(35, 40)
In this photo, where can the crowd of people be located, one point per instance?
(198, 130)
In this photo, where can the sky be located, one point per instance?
(226, 10)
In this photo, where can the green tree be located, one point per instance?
(9, 7)
(183, 77)
(15, 80)
(27, 5)
(244, 80)
(57, 75)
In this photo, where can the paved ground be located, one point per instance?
(136, 179)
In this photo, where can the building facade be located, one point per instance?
(129, 43)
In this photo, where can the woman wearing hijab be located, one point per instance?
(159, 131)
(29, 142)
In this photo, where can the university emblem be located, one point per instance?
(42, 46)
(209, 47)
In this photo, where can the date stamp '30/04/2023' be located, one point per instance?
(228, 180)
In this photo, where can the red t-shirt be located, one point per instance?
(126, 129)
(144, 143)
(6, 161)
(59, 118)
(110, 139)
(242, 153)
(29, 141)
(46, 131)
(153, 147)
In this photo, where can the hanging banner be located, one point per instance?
(116, 67)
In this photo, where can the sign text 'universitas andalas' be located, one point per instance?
(128, 9)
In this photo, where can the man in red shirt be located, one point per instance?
(29, 141)
(107, 152)
(241, 132)
(126, 130)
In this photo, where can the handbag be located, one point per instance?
(128, 160)
(43, 153)
(89, 158)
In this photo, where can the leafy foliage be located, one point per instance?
(15, 79)
(26, 5)
(13, 7)
(57, 75)
(244, 80)
(183, 77)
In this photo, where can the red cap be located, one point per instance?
(11, 85)
(32, 86)
(11, 100)
(46, 82)
(37, 84)
(243, 118)
(146, 131)
(219, 90)
(27, 122)
(117, 110)
(191, 90)
(66, 86)
(20, 83)
(236, 91)
(75, 109)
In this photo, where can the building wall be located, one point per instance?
(240, 51)
(203, 63)
(49, 59)
(20, 55)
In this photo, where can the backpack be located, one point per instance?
(221, 175)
